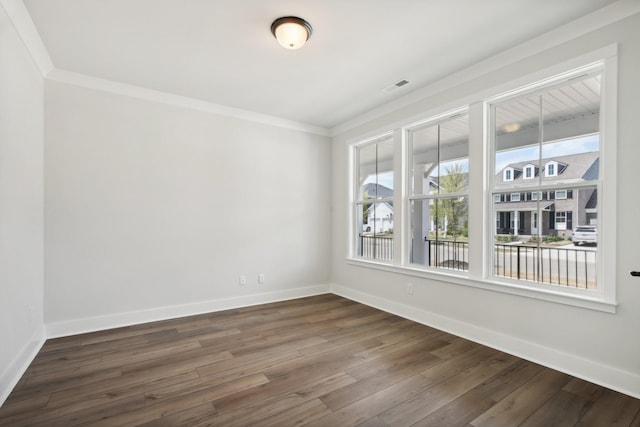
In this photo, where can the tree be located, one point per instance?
(451, 213)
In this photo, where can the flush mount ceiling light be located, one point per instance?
(291, 32)
(511, 127)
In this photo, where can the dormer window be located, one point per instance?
(529, 172)
(507, 174)
(551, 168)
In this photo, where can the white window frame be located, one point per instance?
(606, 288)
(514, 197)
(529, 168)
(355, 190)
(563, 195)
(554, 171)
(508, 174)
(433, 121)
(481, 219)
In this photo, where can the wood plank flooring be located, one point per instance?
(317, 361)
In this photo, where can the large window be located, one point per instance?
(374, 199)
(553, 128)
(438, 201)
(506, 193)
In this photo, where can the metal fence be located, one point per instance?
(561, 266)
(448, 254)
(376, 247)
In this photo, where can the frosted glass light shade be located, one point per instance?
(291, 32)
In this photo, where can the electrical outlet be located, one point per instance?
(261, 278)
(242, 280)
(410, 288)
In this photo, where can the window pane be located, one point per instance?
(375, 170)
(374, 222)
(440, 233)
(571, 115)
(550, 240)
(547, 138)
(517, 141)
(425, 159)
(440, 152)
(374, 207)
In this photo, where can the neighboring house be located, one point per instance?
(379, 218)
(560, 210)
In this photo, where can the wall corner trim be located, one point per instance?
(12, 374)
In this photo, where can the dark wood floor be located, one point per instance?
(318, 361)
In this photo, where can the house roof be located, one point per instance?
(376, 191)
(583, 166)
(375, 206)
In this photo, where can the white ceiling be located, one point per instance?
(222, 51)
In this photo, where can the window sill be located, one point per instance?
(559, 296)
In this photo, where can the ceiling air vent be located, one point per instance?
(396, 86)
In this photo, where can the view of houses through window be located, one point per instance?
(374, 205)
(543, 188)
(438, 193)
(546, 156)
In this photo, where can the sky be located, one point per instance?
(583, 144)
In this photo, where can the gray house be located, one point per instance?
(559, 211)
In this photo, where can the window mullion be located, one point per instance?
(476, 192)
(398, 194)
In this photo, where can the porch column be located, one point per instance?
(420, 218)
(516, 221)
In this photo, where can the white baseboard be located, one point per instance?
(99, 323)
(607, 376)
(589, 370)
(12, 374)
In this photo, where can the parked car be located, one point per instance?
(585, 235)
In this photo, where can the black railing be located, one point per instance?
(560, 266)
(447, 253)
(376, 247)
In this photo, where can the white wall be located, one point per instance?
(595, 345)
(21, 207)
(153, 210)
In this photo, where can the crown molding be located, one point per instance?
(82, 80)
(28, 33)
(21, 20)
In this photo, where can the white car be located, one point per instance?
(585, 235)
